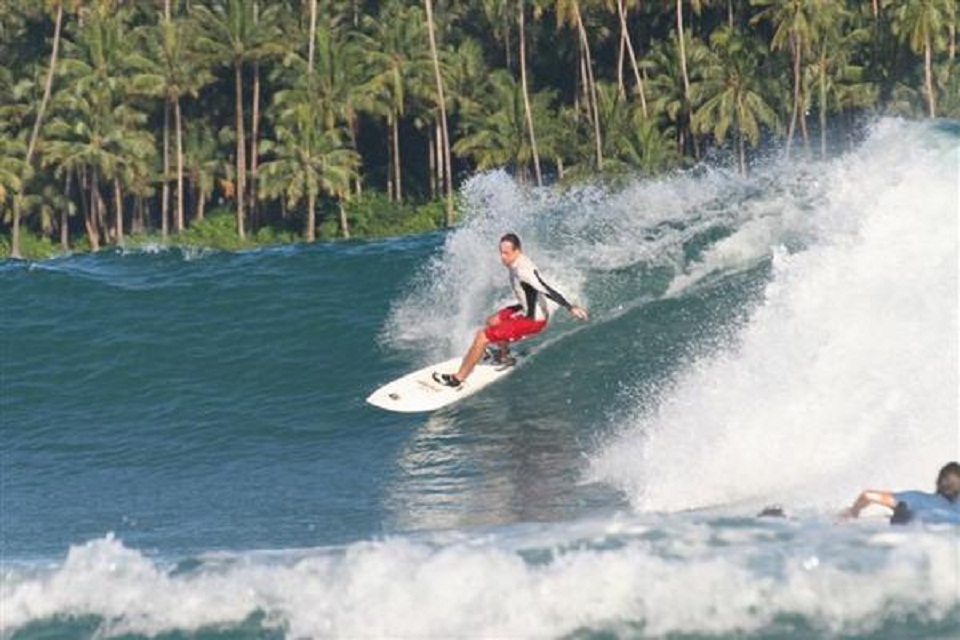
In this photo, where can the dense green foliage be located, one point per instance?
(301, 118)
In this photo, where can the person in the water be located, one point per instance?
(943, 506)
(517, 321)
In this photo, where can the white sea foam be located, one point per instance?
(847, 374)
(697, 576)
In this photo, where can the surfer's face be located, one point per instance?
(508, 253)
(948, 485)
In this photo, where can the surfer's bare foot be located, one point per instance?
(447, 379)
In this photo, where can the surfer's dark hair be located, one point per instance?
(512, 238)
(945, 487)
(951, 468)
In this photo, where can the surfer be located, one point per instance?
(517, 321)
(942, 506)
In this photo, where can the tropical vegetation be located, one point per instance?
(275, 120)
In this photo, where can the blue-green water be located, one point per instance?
(186, 451)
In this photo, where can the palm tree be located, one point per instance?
(568, 12)
(12, 171)
(498, 17)
(234, 33)
(681, 45)
(312, 37)
(497, 135)
(794, 22)
(466, 73)
(622, 8)
(634, 141)
(839, 81)
(616, 117)
(669, 97)
(648, 147)
(525, 88)
(399, 64)
(96, 133)
(922, 24)
(309, 159)
(731, 94)
(443, 114)
(201, 164)
(948, 78)
(171, 70)
(338, 81)
(57, 7)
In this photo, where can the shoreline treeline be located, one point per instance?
(122, 117)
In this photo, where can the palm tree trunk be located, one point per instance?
(255, 150)
(683, 52)
(240, 186)
(167, 15)
(622, 10)
(178, 125)
(433, 149)
(526, 97)
(621, 55)
(741, 146)
(928, 76)
(65, 215)
(397, 185)
(48, 86)
(82, 187)
(47, 89)
(795, 45)
(201, 204)
(310, 230)
(101, 219)
(313, 37)
(742, 153)
(15, 232)
(391, 186)
(686, 80)
(507, 44)
(952, 33)
(585, 43)
(165, 185)
(438, 160)
(445, 132)
(823, 108)
(344, 223)
(90, 221)
(118, 203)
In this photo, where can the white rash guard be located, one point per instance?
(528, 286)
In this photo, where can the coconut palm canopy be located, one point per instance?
(119, 116)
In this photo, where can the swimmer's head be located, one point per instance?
(948, 481)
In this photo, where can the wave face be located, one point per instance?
(186, 450)
(846, 372)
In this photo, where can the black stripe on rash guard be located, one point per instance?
(552, 293)
(531, 295)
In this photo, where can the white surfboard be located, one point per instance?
(418, 391)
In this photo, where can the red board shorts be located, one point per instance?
(513, 325)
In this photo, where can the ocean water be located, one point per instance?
(186, 452)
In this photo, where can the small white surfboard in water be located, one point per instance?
(418, 391)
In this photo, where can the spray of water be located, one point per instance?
(846, 374)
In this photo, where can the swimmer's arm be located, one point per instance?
(868, 497)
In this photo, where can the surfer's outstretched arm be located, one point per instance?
(541, 285)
